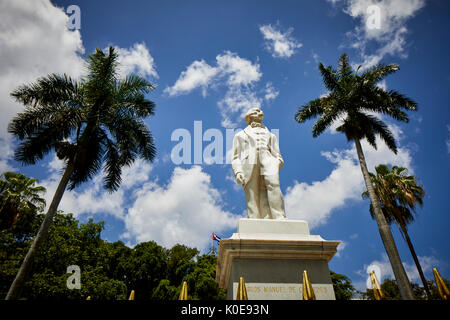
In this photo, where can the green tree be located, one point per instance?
(434, 290)
(351, 97)
(342, 285)
(108, 270)
(116, 260)
(145, 268)
(180, 262)
(18, 195)
(97, 120)
(67, 243)
(165, 291)
(201, 280)
(392, 292)
(398, 194)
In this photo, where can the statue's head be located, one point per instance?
(254, 115)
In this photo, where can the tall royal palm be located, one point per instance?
(92, 124)
(398, 194)
(354, 98)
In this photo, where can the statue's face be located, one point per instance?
(256, 114)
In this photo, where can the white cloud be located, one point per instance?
(383, 270)
(279, 44)
(237, 100)
(315, 56)
(197, 74)
(34, 41)
(137, 59)
(382, 85)
(340, 248)
(236, 70)
(240, 71)
(270, 92)
(187, 210)
(315, 202)
(238, 75)
(92, 198)
(390, 37)
(6, 153)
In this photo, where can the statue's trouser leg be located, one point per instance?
(252, 194)
(264, 207)
(274, 196)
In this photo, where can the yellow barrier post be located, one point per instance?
(241, 290)
(183, 293)
(308, 292)
(441, 286)
(377, 291)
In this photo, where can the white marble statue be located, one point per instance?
(256, 161)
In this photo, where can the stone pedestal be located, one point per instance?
(271, 256)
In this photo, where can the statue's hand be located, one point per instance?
(240, 178)
(280, 165)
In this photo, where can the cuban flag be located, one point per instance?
(215, 237)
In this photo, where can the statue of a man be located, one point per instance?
(256, 161)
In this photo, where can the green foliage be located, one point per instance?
(201, 281)
(398, 194)
(19, 196)
(145, 267)
(352, 97)
(109, 271)
(165, 291)
(391, 291)
(343, 288)
(94, 123)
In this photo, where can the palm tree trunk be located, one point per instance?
(416, 261)
(385, 232)
(16, 286)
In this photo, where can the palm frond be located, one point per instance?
(380, 128)
(96, 121)
(311, 110)
(88, 158)
(345, 69)
(378, 72)
(113, 168)
(34, 120)
(53, 89)
(329, 77)
(378, 100)
(326, 121)
(401, 101)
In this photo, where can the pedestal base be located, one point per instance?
(271, 256)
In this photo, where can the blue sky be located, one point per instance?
(212, 60)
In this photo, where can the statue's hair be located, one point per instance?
(247, 115)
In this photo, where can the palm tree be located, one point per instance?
(94, 122)
(398, 194)
(17, 194)
(354, 98)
